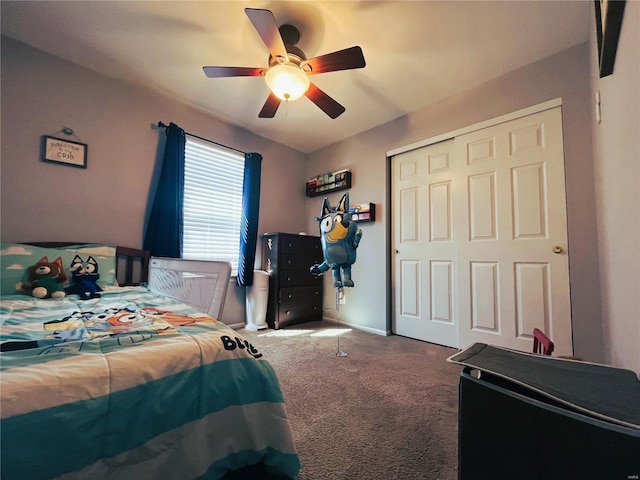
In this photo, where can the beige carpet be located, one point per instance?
(388, 410)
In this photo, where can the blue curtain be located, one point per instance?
(250, 212)
(163, 237)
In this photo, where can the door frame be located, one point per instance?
(556, 102)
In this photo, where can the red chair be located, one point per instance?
(541, 343)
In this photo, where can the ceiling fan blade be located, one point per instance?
(346, 59)
(265, 24)
(327, 104)
(217, 72)
(270, 107)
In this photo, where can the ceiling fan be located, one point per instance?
(289, 69)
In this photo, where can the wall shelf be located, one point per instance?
(363, 212)
(328, 183)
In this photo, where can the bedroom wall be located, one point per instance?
(564, 75)
(107, 201)
(616, 146)
(41, 93)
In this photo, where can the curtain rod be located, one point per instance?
(162, 125)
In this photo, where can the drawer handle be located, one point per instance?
(287, 312)
(290, 296)
(288, 279)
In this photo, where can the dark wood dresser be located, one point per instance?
(295, 295)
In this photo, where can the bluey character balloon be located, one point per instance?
(340, 238)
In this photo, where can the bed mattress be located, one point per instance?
(134, 385)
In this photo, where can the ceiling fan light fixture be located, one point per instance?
(287, 82)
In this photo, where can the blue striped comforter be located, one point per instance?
(128, 386)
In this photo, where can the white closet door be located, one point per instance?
(425, 245)
(481, 237)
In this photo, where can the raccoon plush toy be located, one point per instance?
(340, 238)
(45, 279)
(84, 278)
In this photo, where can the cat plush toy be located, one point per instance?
(45, 279)
(340, 238)
(84, 278)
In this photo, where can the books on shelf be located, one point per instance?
(329, 182)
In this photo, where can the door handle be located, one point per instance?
(396, 251)
(557, 249)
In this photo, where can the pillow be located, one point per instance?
(15, 258)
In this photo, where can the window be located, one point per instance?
(213, 180)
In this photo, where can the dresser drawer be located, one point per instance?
(288, 314)
(294, 278)
(301, 295)
(297, 262)
(300, 243)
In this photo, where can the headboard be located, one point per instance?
(132, 265)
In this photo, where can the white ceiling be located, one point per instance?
(417, 52)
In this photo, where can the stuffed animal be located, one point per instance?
(340, 238)
(45, 279)
(84, 278)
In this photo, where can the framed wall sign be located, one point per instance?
(608, 24)
(56, 150)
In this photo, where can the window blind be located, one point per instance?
(212, 211)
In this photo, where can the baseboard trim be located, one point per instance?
(387, 333)
(236, 326)
(384, 333)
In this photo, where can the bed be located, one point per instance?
(134, 383)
